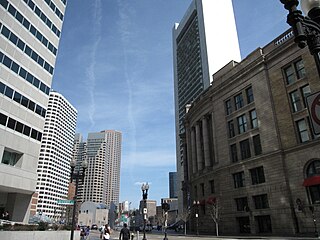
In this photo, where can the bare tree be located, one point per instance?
(214, 212)
(184, 216)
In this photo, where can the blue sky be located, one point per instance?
(115, 67)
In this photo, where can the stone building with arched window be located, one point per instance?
(250, 155)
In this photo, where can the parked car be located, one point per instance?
(94, 227)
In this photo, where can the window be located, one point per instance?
(257, 175)
(249, 93)
(2, 87)
(11, 123)
(253, 119)
(10, 158)
(261, 201)
(3, 119)
(257, 145)
(231, 129)
(295, 101)
(305, 91)
(233, 152)
(313, 168)
(17, 97)
(245, 149)
(238, 100)
(289, 74)
(242, 124)
(212, 189)
(299, 67)
(264, 224)
(295, 71)
(244, 224)
(242, 203)
(302, 130)
(228, 107)
(238, 179)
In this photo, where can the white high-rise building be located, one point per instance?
(55, 155)
(102, 150)
(29, 37)
(203, 42)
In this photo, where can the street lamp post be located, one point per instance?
(196, 204)
(306, 29)
(144, 188)
(78, 176)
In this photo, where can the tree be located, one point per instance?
(214, 212)
(184, 216)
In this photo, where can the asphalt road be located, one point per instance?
(155, 235)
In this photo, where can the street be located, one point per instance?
(94, 235)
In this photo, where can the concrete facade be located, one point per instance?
(54, 163)
(197, 54)
(29, 38)
(102, 150)
(250, 148)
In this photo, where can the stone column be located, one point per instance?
(199, 149)
(206, 147)
(193, 150)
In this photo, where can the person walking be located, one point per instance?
(105, 232)
(87, 231)
(124, 233)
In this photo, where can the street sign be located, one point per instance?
(65, 202)
(313, 102)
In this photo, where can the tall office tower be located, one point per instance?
(201, 46)
(29, 38)
(103, 153)
(55, 155)
(173, 193)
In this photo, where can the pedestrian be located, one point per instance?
(87, 232)
(105, 232)
(6, 215)
(82, 233)
(124, 233)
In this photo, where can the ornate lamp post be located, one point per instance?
(196, 205)
(144, 188)
(78, 176)
(306, 29)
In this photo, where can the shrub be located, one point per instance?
(42, 226)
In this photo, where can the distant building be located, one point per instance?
(201, 46)
(250, 146)
(102, 150)
(29, 37)
(55, 155)
(93, 213)
(173, 184)
(150, 206)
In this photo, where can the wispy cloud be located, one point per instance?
(90, 82)
(125, 35)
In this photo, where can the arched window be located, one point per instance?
(313, 169)
(312, 181)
